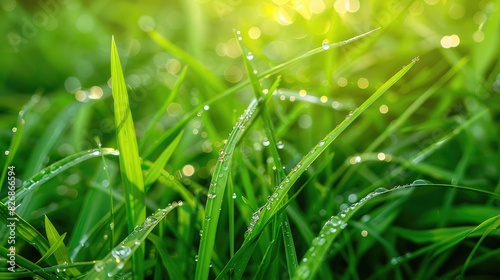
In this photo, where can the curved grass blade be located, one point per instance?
(333, 227)
(177, 128)
(61, 253)
(170, 266)
(193, 62)
(25, 263)
(163, 108)
(267, 211)
(57, 168)
(216, 192)
(156, 169)
(130, 163)
(16, 140)
(121, 254)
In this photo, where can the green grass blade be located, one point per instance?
(216, 193)
(56, 169)
(115, 261)
(267, 211)
(27, 264)
(276, 69)
(14, 144)
(170, 266)
(53, 248)
(130, 163)
(23, 229)
(155, 171)
(61, 253)
(193, 62)
(173, 94)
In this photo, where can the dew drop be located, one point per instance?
(211, 195)
(280, 145)
(266, 142)
(206, 107)
(420, 182)
(326, 44)
(321, 143)
(99, 266)
(379, 190)
(7, 153)
(196, 258)
(121, 252)
(234, 196)
(249, 56)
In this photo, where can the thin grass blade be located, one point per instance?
(216, 192)
(61, 253)
(115, 261)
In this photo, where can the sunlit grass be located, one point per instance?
(302, 139)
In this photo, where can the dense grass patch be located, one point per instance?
(235, 140)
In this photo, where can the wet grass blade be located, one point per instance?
(61, 253)
(130, 163)
(116, 260)
(168, 136)
(266, 212)
(216, 192)
(57, 168)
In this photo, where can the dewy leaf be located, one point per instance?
(61, 253)
(115, 261)
(130, 163)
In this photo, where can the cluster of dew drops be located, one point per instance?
(123, 251)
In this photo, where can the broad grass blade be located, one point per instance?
(130, 163)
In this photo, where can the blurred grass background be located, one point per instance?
(59, 50)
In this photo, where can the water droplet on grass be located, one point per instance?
(266, 142)
(280, 145)
(379, 190)
(121, 252)
(326, 44)
(249, 56)
(420, 182)
(234, 196)
(99, 266)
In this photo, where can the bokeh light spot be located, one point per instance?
(305, 121)
(363, 83)
(450, 41)
(95, 92)
(478, 36)
(233, 74)
(383, 109)
(254, 33)
(147, 23)
(284, 15)
(456, 11)
(431, 2)
(342, 82)
(188, 170)
(323, 99)
(85, 24)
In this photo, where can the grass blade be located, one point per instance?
(216, 193)
(121, 254)
(61, 253)
(130, 163)
(276, 69)
(57, 168)
(267, 211)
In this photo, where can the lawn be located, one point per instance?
(238, 139)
